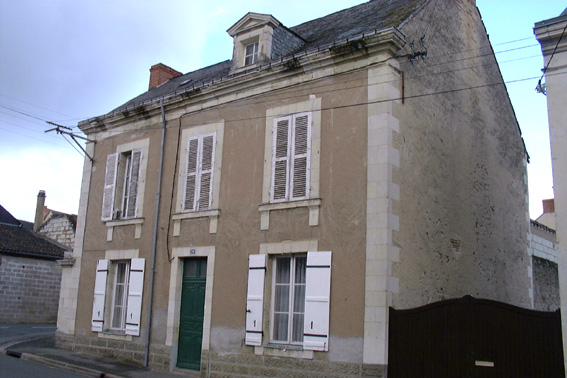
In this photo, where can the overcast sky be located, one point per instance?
(64, 61)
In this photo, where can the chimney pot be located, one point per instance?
(38, 221)
(548, 206)
(160, 73)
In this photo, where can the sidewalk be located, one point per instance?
(42, 350)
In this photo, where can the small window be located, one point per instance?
(251, 53)
(288, 297)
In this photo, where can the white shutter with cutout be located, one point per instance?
(255, 299)
(206, 166)
(109, 186)
(135, 292)
(97, 321)
(317, 300)
(280, 159)
(191, 174)
(135, 166)
(301, 150)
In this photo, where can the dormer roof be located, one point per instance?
(252, 21)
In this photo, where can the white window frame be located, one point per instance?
(251, 58)
(287, 150)
(203, 188)
(291, 299)
(124, 300)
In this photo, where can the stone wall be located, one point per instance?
(29, 290)
(59, 229)
(546, 284)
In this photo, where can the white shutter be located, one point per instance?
(97, 322)
(206, 171)
(301, 156)
(135, 165)
(109, 186)
(280, 159)
(255, 299)
(191, 174)
(135, 291)
(317, 300)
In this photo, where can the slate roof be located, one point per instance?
(348, 23)
(15, 239)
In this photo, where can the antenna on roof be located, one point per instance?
(58, 128)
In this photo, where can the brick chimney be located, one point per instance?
(38, 221)
(548, 206)
(160, 73)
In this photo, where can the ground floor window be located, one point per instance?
(288, 296)
(120, 295)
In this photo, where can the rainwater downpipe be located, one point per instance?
(154, 241)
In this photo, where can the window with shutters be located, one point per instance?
(117, 300)
(121, 185)
(291, 152)
(299, 297)
(199, 176)
(292, 160)
(199, 173)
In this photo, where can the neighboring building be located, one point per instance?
(551, 35)
(30, 276)
(323, 175)
(55, 225)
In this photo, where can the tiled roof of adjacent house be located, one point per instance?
(18, 240)
(348, 23)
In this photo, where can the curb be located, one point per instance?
(57, 364)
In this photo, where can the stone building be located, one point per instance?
(53, 224)
(260, 216)
(30, 276)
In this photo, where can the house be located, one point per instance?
(30, 276)
(550, 35)
(261, 216)
(53, 224)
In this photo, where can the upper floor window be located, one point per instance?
(291, 153)
(251, 53)
(199, 172)
(121, 184)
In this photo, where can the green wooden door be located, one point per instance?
(192, 310)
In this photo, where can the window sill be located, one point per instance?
(138, 222)
(114, 335)
(287, 351)
(213, 216)
(312, 204)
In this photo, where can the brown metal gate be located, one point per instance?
(470, 337)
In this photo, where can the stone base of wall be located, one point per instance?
(221, 366)
(249, 365)
(124, 351)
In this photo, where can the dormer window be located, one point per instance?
(251, 53)
(259, 39)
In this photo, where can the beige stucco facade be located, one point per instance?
(417, 186)
(550, 35)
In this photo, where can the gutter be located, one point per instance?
(154, 241)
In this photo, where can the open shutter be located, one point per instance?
(99, 295)
(191, 174)
(135, 291)
(301, 155)
(280, 159)
(135, 166)
(109, 186)
(206, 171)
(255, 299)
(317, 299)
